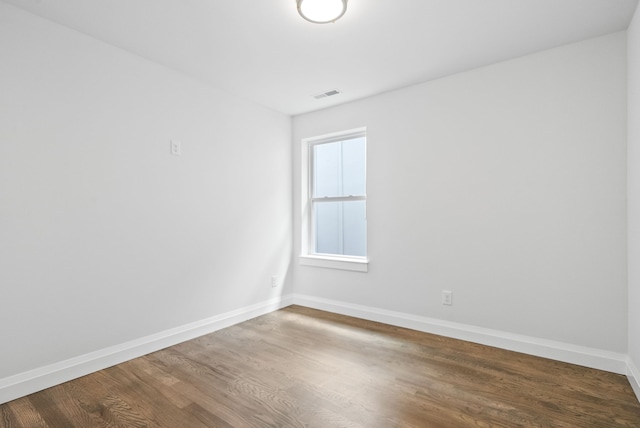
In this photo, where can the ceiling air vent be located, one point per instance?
(326, 94)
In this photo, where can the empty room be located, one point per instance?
(319, 213)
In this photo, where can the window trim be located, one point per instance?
(357, 264)
(308, 257)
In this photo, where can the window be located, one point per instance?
(336, 224)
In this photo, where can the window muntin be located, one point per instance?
(337, 169)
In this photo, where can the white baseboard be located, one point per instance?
(584, 356)
(26, 383)
(633, 374)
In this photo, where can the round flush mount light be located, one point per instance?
(322, 11)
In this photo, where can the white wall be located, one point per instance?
(506, 185)
(104, 236)
(633, 165)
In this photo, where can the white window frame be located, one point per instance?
(307, 256)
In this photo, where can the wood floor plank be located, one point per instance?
(47, 403)
(25, 415)
(299, 367)
(80, 407)
(28, 414)
(134, 401)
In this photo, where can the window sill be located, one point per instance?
(344, 263)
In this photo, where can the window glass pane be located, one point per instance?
(340, 228)
(353, 167)
(339, 168)
(327, 170)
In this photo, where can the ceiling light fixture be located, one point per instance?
(321, 11)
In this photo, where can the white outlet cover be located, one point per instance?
(447, 297)
(176, 148)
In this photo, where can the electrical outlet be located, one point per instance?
(447, 297)
(176, 148)
(274, 281)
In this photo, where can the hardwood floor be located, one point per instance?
(299, 367)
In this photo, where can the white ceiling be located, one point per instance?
(264, 51)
